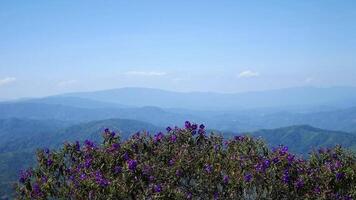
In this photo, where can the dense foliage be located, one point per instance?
(186, 163)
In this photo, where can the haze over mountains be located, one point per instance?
(329, 108)
(302, 118)
(299, 96)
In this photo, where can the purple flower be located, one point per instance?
(46, 150)
(25, 175)
(117, 169)
(194, 127)
(36, 190)
(115, 146)
(126, 156)
(267, 163)
(171, 162)
(132, 164)
(283, 150)
(49, 162)
(158, 137)
(201, 132)
(173, 138)
(113, 134)
(100, 179)
(299, 184)
(178, 173)
(151, 178)
(189, 195)
(226, 179)
(88, 163)
(208, 168)
(201, 126)
(216, 195)
(146, 170)
(239, 138)
(157, 188)
(275, 160)
(44, 179)
(77, 145)
(339, 176)
(248, 177)
(169, 129)
(83, 176)
(290, 158)
(285, 177)
(316, 190)
(89, 144)
(187, 125)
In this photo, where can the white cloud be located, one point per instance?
(248, 74)
(145, 73)
(7, 80)
(66, 83)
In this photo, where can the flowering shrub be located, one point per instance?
(186, 163)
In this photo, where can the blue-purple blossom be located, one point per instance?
(201, 132)
(89, 144)
(339, 176)
(299, 184)
(117, 169)
(188, 125)
(173, 138)
(77, 145)
(46, 150)
(216, 195)
(100, 179)
(178, 173)
(158, 137)
(239, 138)
(194, 127)
(36, 190)
(44, 179)
(189, 195)
(88, 162)
(157, 188)
(83, 176)
(286, 177)
(208, 168)
(49, 162)
(226, 179)
(248, 177)
(132, 164)
(25, 175)
(126, 156)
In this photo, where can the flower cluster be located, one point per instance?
(187, 163)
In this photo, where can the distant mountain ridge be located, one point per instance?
(340, 96)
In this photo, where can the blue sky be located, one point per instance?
(50, 47)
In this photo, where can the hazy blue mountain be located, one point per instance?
(74, 102)
(242, 120)
(342, 119)
(300, 96)
(149, 114)
(304, 138)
